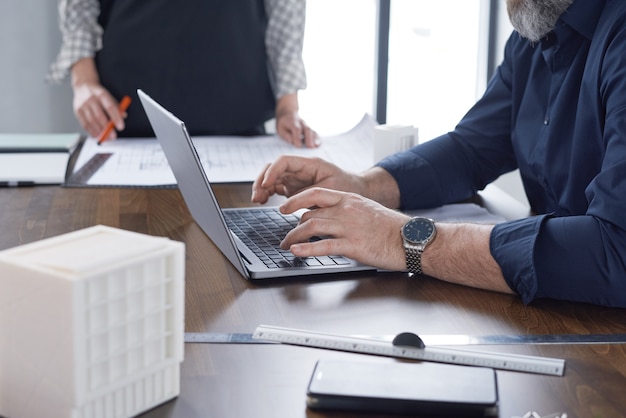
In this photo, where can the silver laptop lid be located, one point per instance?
(196, 189)
(185, 164)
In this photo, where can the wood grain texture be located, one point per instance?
(270, 380)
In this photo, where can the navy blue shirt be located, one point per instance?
(556, 110)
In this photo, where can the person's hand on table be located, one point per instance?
(290, 127)
(93, 105)
(294, 130)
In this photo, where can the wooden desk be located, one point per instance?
(221, 380)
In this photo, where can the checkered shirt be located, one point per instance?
(82, 37)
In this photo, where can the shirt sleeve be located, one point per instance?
(454, 166)
(284, 41)
(81, 36)
(581, 257)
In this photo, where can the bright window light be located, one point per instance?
(435, 62)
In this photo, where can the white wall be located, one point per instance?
(29, 41)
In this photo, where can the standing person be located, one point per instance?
(223, 66)
(555, 109)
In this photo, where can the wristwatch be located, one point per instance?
(417, 233)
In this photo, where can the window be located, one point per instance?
(340, 57)
(434, 72)
(436, 53)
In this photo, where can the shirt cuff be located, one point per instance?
(80, 45)
(512, 245)
(290, 77)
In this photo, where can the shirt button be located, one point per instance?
(546, 121)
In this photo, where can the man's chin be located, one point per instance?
(531, 36)
(534, 19)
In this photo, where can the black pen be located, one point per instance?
(15, 183)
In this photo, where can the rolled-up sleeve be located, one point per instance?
(577, 258)
(284, 41)
(80, 33)
(512, 244)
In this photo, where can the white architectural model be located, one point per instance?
(389, 139)
(91, 324)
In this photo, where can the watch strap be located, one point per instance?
(414, 259)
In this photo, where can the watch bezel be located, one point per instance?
(421, 220)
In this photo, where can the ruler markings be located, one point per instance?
(529, 364)
(436, 340)
(83, 174)
(222, 338)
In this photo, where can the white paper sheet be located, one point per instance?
(459, 212)
(141, 162)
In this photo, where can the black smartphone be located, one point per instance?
(394, 387)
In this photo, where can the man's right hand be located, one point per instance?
(289, 175)
(93, 105)
(349, 224)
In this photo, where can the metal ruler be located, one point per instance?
(411, 348)
(222, 338)
(435, 339)
(535, 339)
(82, 175)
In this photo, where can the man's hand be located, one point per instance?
(93, 105)
(350, 225)
(289, 175)
(366, 231)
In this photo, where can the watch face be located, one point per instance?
(418, 230)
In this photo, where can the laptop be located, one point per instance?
(235, 231)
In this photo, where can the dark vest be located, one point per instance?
(204, 60)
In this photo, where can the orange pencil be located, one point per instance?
(105, 133)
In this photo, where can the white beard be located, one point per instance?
(534, 19)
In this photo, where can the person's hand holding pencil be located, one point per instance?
(94, 106)
(106, 133)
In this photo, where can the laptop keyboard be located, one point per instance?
(262, 231)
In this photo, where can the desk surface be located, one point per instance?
(229, 380)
